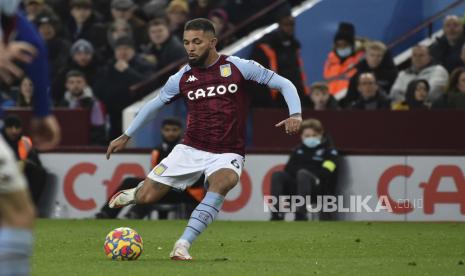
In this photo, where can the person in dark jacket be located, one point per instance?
(454, 98)
(163, 48)
(371, 98)
(83, 59)
(171, 133)
(280, 52)
(446, 49)
(84, 23)
(416, 96)
(378, 60)
(321, 99)
(114, 82)
(311, 169)
(47, 25)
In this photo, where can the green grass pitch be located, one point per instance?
(75, 247)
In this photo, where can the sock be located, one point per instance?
(202, 216)
(15, 251)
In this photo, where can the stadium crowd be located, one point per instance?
(99, 49)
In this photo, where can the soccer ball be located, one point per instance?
(123, 244)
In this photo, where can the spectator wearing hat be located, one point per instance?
(124, 9)
(320, 99)
(47, 25)
(371, 98)
(177, 13)
(379, 61)
(84, 60)
(279, 51)
(220, 19)
(163, 48)
(79, 95)
(126, 69)
(85, 23)
(341, 61)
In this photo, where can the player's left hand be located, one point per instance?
(45, 132)
(291, 124)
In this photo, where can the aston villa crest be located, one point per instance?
(225, 70)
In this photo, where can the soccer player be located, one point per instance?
(16, 208)
(214, 87)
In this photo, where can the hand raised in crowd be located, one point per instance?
(121, 65)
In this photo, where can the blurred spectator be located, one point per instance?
(416, 96)
(422, 68)
(371, 98)
(341, 62)
(171, 133)
(280, 51)
(84, 23)
(447, 49)
(455, 96)
(178, 14)
(79, 95)
(33, 8)
(311, 169)
(124, 9)
(47, 26)
(82, 59)
(155, 8)
(26, 155)
(25, 93)
(118, 28)
(378, 60)
(163, 48)
(202, 8)
(220, 20)
(126, 69)
(321, 99)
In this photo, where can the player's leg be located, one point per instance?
(223, 175)
(17, 217)
(148, 191)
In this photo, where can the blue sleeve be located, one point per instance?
(37, 70)
(253, 71)
(149, 111)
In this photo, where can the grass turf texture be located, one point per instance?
(75, 247)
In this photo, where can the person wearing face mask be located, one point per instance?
(279, 51)
(311, 169)
(341, 62)
(171, 133)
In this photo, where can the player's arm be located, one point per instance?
(44, 127)
(252, 70)
(148, 112)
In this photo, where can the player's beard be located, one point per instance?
(200, 61)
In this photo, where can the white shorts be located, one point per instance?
(185, 165)
(11, 179)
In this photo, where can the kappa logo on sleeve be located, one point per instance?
(160, 169)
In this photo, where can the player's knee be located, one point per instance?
(21, 218)
(226, 183)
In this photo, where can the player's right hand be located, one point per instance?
(117, 145)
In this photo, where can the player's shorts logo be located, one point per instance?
(160, 169)
(225, 70)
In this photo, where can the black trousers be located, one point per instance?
(305, 183)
